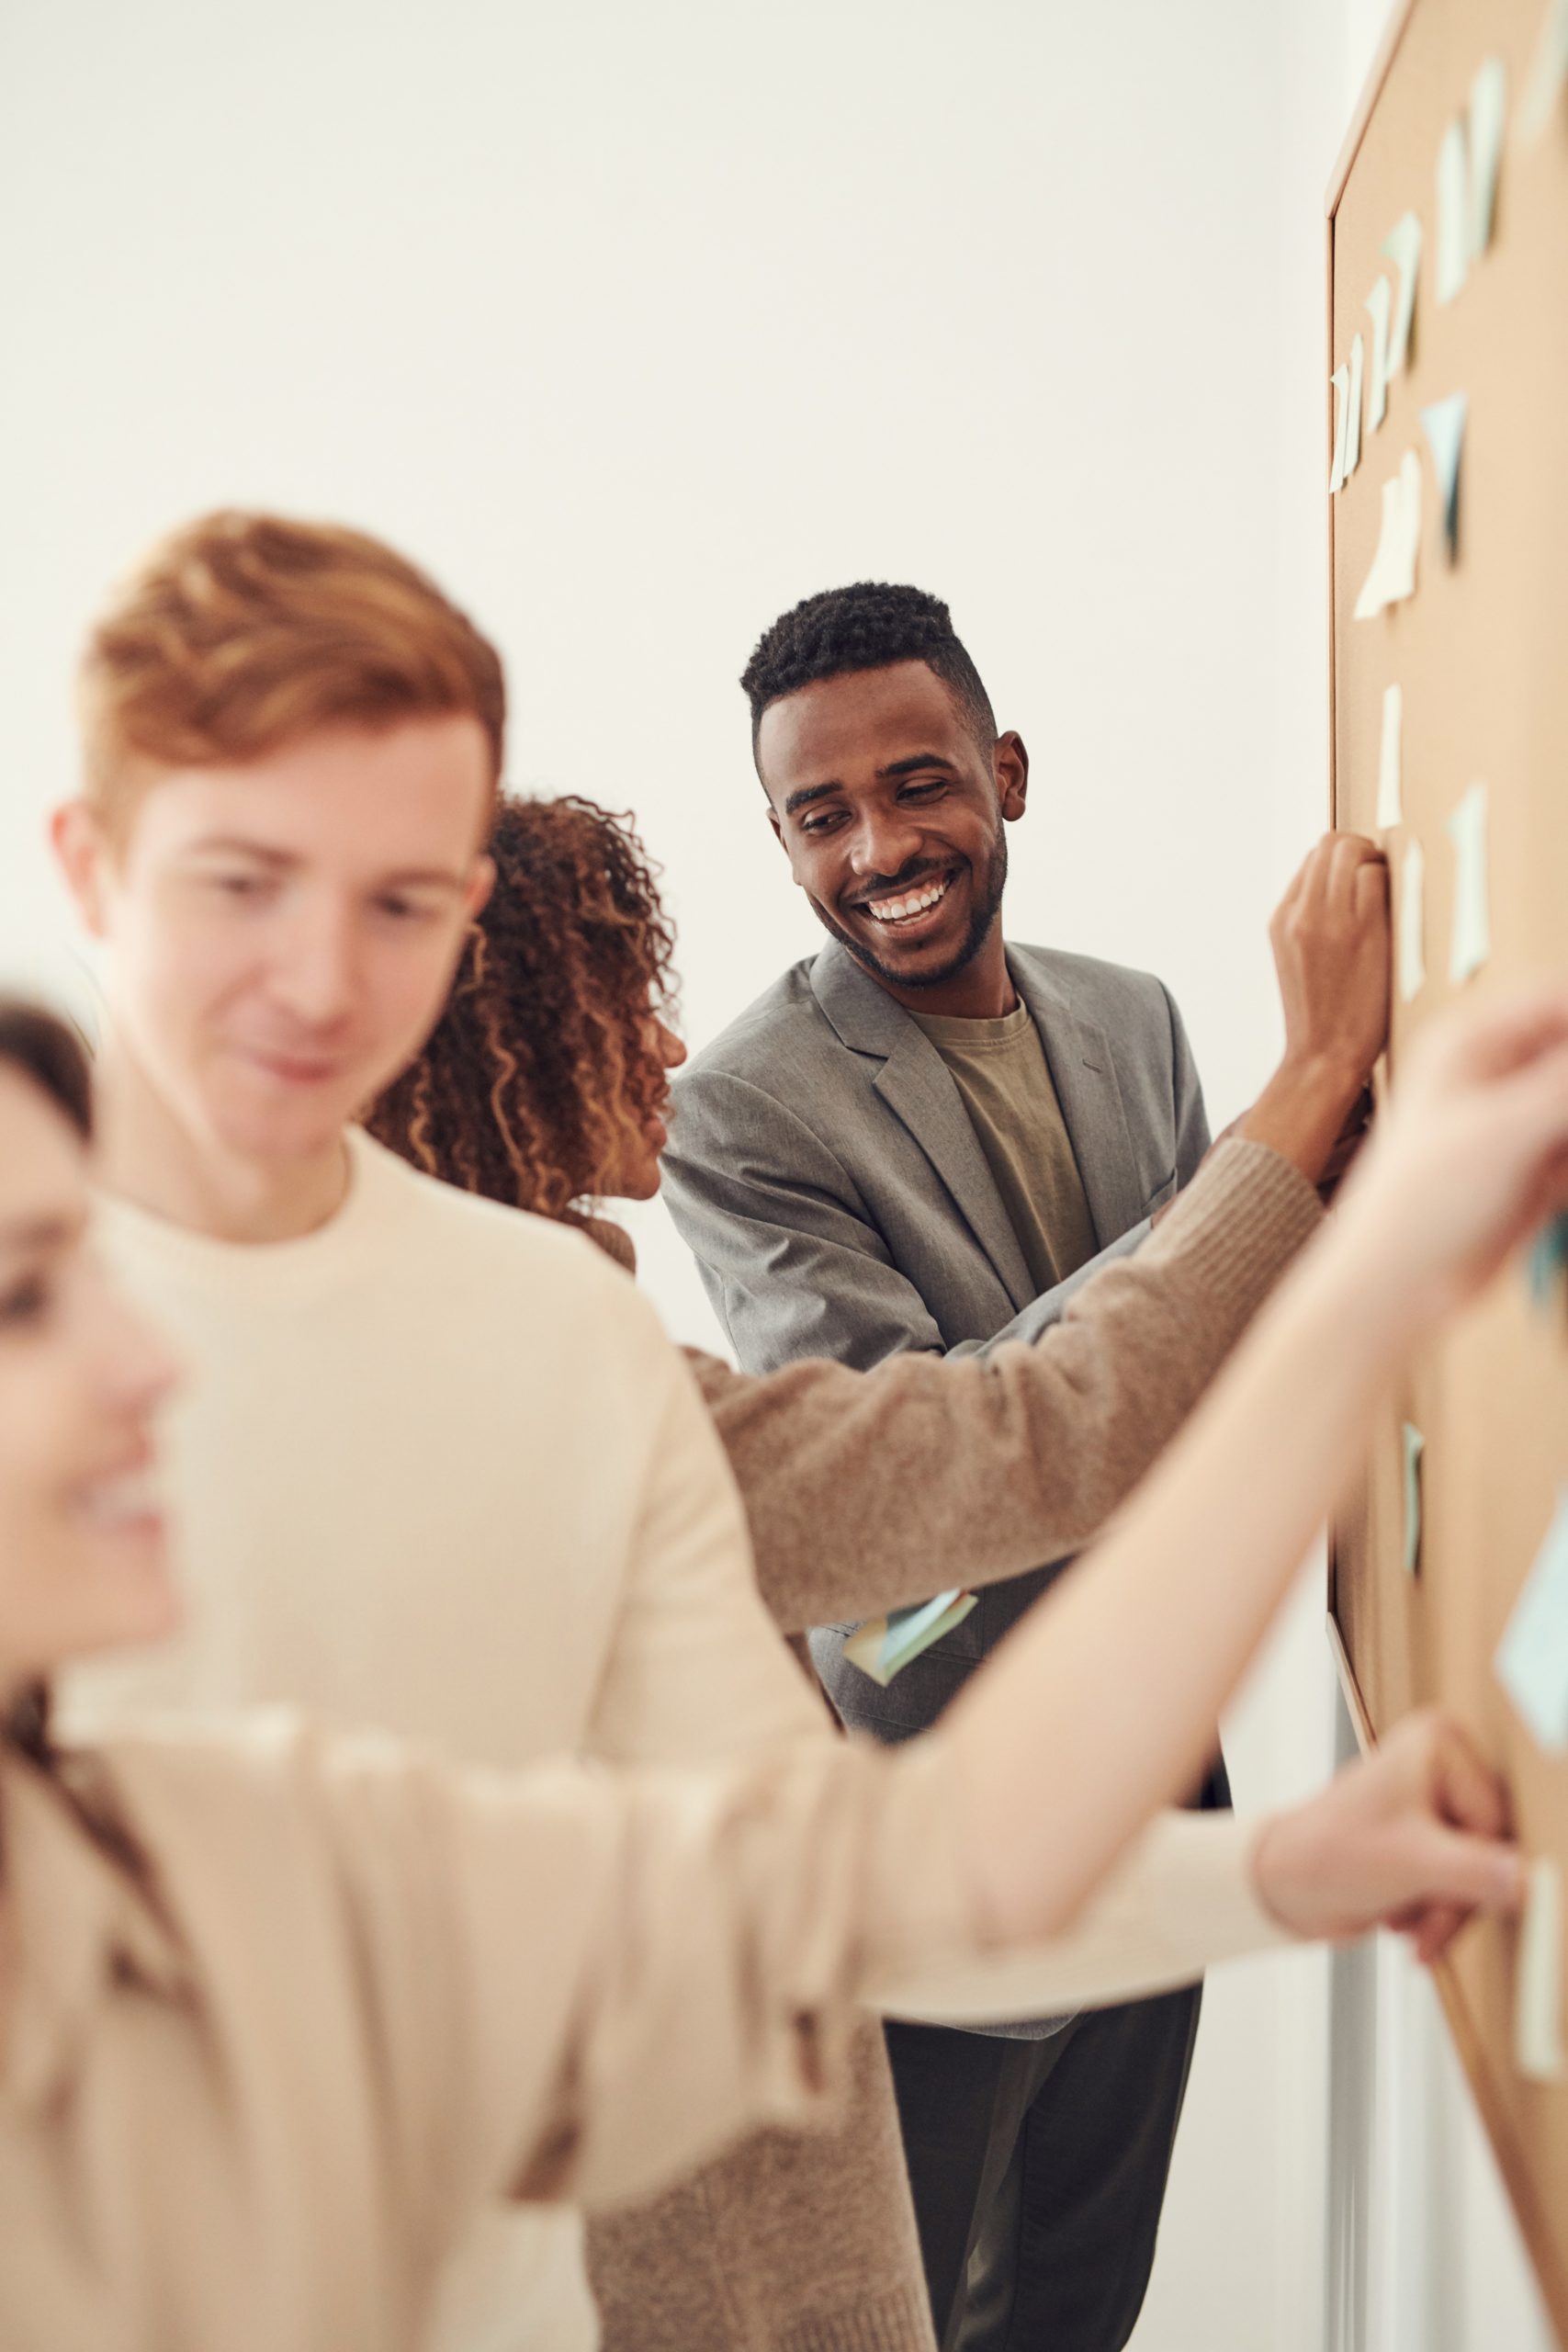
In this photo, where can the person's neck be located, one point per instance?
(983, 990)
(148, 1157)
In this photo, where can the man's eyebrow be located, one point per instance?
(413, 878)
(808, 792)
(916, 760)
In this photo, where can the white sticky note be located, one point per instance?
(1341, 379)
(1532, 1657)
(1353, 432)
(1454, 213)
(1538, 1984)
(1390, 809)
(1471, 942)
(1412, 922)
(1443, 424)
(885, 1645)
(1549, 74)
(1402, 248)
(1380, 303)
(1414, 1445)
(1403, 581)
(1488, 116)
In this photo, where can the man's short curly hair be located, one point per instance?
(867, 626)
(543, 1060)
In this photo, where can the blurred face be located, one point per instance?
(283, 933)
(635, 1175)
(82, 1562)
(892, 817)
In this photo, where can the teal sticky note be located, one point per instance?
(1443, 424)
(1533, 1657)
(1469, 943)
(883, 1647)
(1547, 1261)
(1415, 1445)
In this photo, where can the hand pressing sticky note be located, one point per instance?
(1414, 1445)
(1443, 424)
(1533, 1657)
(1412, 922)
(1538, 1983)
(1471, 942)
(1402, 248)
(885, 1645)
(1390, 806)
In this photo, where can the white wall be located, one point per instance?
(638, 323)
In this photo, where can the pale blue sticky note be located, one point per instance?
(1533, 1657)
(884, 1645)
(1415, 1445)
(1488, 118)
(1548, 1258)
(1402, 248)
(1443, 424)
(1471, 942)
(1549, 75)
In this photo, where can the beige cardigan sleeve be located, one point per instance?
(867, 1491)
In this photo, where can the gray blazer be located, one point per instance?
(824, 1173)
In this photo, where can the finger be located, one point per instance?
(1478, 1873)
(1439, 1924)
(1354, 856)
(1470, 1794)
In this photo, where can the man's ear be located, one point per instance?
(778, 829)
(1010, 765)
(84, 857)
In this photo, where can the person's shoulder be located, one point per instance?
(449, 1234)
(785, 1015)
(1099, 991)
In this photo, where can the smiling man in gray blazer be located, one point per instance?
(925, 1138)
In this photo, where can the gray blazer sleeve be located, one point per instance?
(791, 1259)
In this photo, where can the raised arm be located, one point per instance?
(867, 1491)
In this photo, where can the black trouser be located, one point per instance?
(1039, 2170)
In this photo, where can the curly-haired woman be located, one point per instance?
(543, 1085)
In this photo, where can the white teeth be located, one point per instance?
(914, 903)
(110, 1502)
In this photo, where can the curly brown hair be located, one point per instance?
(543, 1061)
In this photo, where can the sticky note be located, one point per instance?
(1393, 574)
(1390, 810)
(1443, 424)
(1353, 433)
(1402, 248)
(1533, 1657)
(1538, 1982)
(1488, 114)
(1549, 74)
(1412, 922)
(1341, 379)
(1414, 1445)
(1470, 941)
(1379, 302)
(1454, 213)
(884, 1645)
(1548, 1259)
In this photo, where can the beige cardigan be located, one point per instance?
(865, 1492)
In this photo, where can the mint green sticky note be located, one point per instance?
(1414, 1446)
(883, 1647)
(1533, 1657)
(1470, 941)
(1548, 1258)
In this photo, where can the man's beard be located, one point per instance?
(986, 907)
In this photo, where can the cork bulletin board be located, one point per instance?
(1429, 1559)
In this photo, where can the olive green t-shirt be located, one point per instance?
(1000, 1071)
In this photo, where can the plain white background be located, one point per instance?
(636, 323)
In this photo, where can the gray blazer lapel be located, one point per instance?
(1084, 1071)
(915, 1084)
